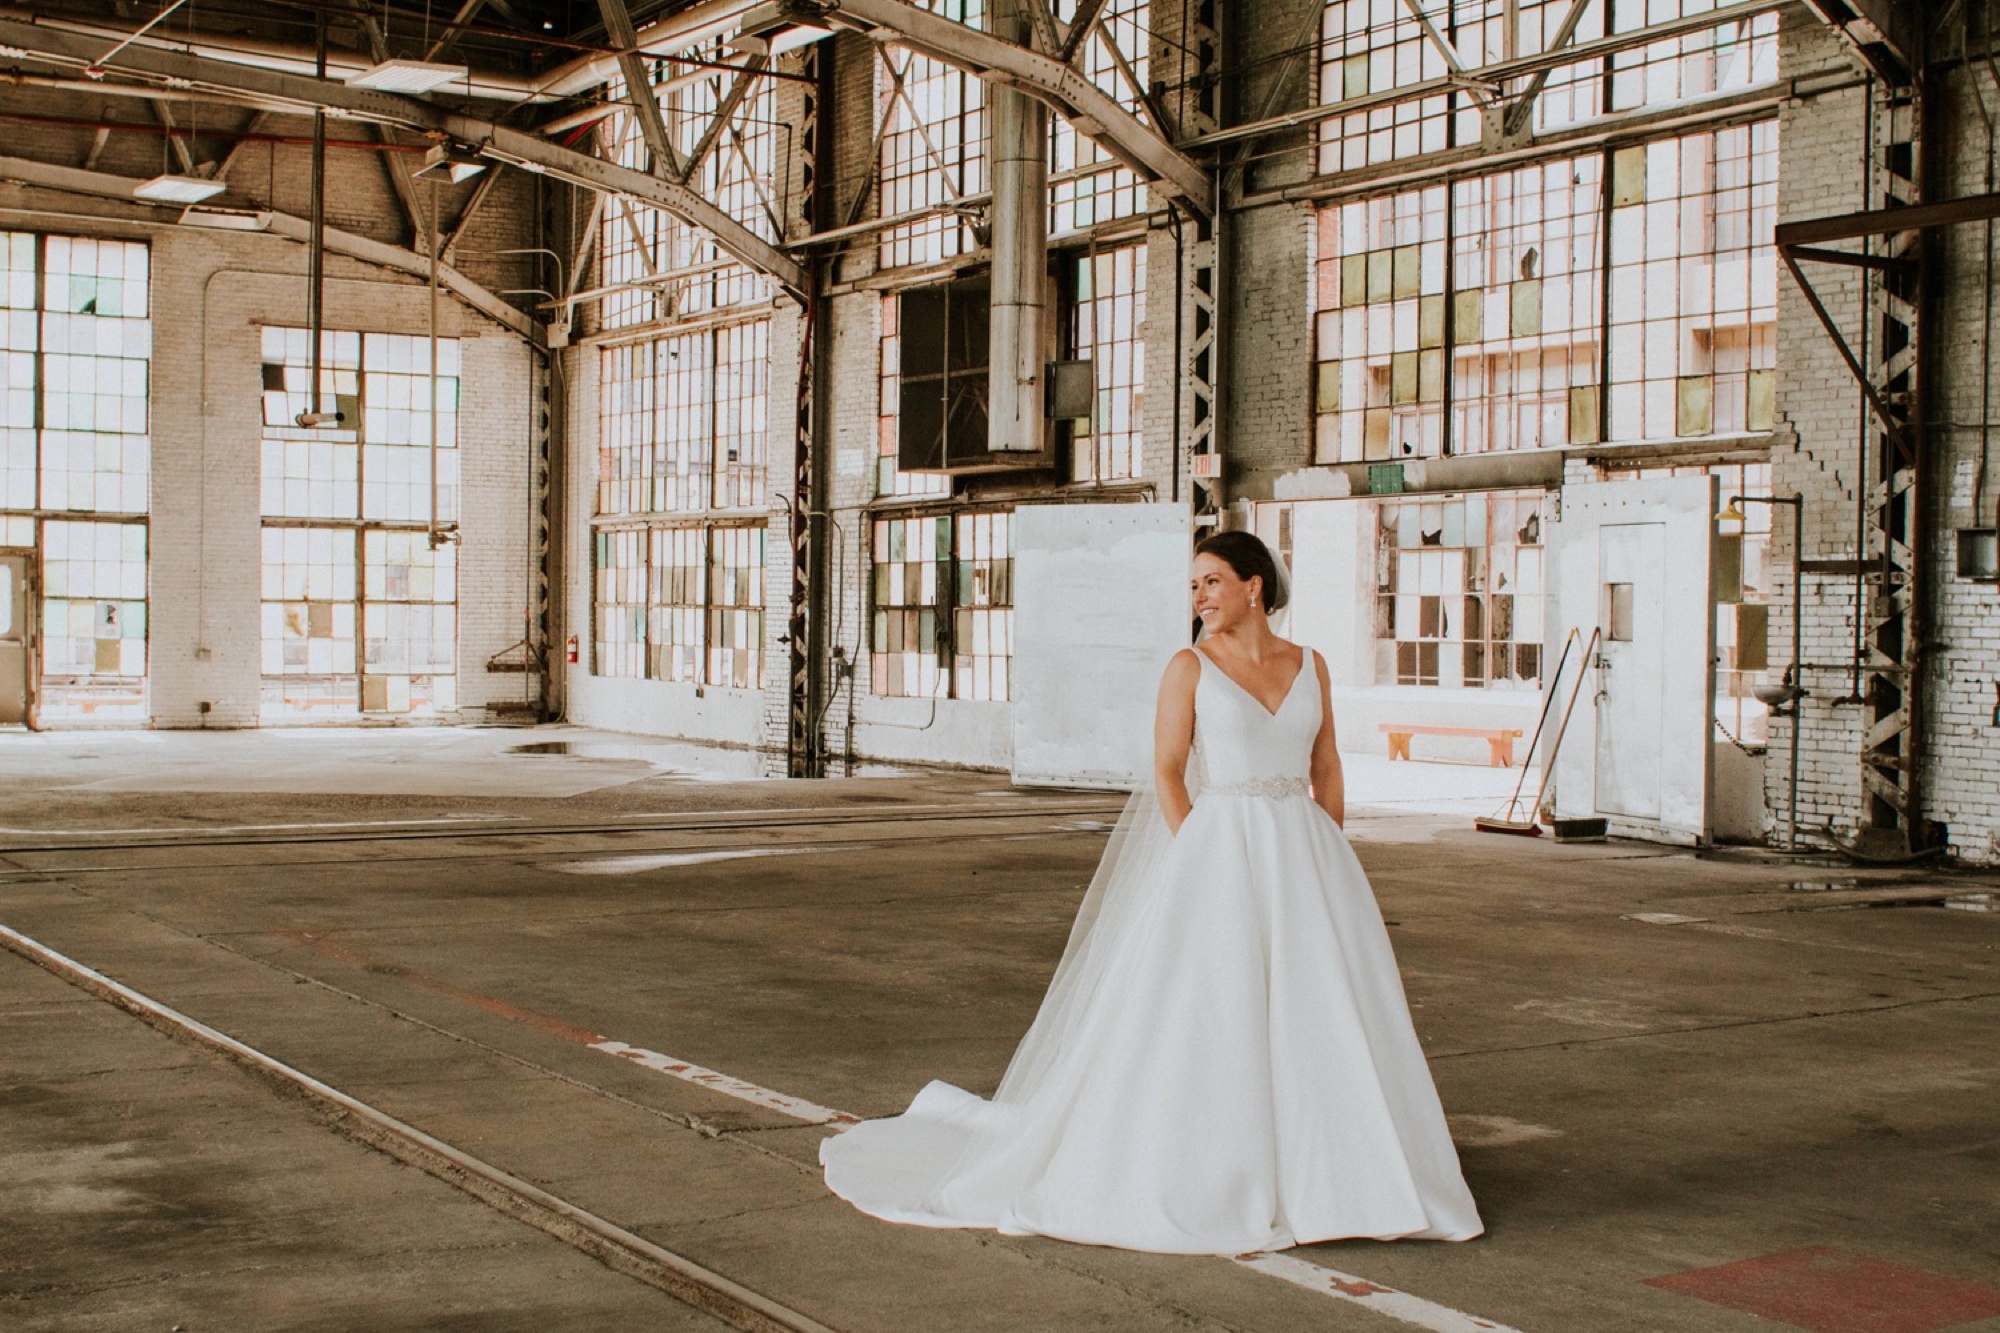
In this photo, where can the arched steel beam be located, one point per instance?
(532, 153)
(1095, 113)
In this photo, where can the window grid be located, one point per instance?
(1115, 191)
(983, 614)
(934, 145)
(681, 603)
(1109, 328)
(363, 617)
(736, 607)
(94, 619)
(1691, 339)
(673, 603)
(311, 659)
(1694, 284)
(75, 362)
(620, 576)
(1459, 592)
(1375, 46)
(409, 623)
(911, 569)
(737, 174)
(1378, 383)
(889, 479)
(943, 592)
(742, 414)
(1527, 258)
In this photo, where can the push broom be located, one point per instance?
(1508, 821)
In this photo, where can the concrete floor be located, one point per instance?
(1657, 1064)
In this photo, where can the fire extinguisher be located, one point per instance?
(571, 652)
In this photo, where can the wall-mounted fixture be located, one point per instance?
(1979, 554)
(1782, 696)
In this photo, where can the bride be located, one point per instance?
(1224, 1061)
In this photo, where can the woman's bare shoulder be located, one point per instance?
(1182, 670)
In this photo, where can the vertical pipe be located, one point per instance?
(1020, 255)
(1798, 504)
(316, 258)
(436, 533)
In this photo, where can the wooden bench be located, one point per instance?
(1499, 739)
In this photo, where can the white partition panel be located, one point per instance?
(1633, 558)
(1100, 604)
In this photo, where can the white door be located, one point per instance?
(1100, 604)
(1629, 671)
(17, 618)
(1633, 559)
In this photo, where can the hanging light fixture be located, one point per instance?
(451, 163)
(409, 77)
(168, 189)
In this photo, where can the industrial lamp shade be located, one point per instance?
(177, 189)
(450, 162)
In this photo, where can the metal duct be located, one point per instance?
(1020, 220)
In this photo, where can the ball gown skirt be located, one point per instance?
(1225, 1062)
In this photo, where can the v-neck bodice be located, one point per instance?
(1241, 743)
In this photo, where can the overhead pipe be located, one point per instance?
(1020, 221)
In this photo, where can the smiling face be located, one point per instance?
(1223, 601)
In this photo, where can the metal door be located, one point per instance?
(1633, 558)
(1100, 604)
(17, 620)
(1630, 668)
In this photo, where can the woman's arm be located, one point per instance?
(1329, 785)
(1173, 737)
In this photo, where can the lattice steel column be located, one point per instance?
(804, 612)
(1196, 55)
(1894, 523)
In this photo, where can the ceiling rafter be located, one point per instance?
(500, 142)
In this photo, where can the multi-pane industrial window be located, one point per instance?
(1458, 584)
(75, 356)
(660, 267)
(943, 606)
(359, 606)
(681, 603)
(1378, 382)
(1087, 185)
(1109, 329)
(1694, 284)
(934, 145)
(1515, 332)
(889, 479)
(1527, 255)
(1373, 48)
(684, 422)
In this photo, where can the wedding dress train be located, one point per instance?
(1224, 1061)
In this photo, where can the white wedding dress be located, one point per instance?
(1224, 1061)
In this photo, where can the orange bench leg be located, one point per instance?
(1399, 745)
(1503, 752)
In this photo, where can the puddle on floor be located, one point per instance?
(1823, 885)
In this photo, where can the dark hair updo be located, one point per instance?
(1244, 553)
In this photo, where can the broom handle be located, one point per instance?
(1543, 720)
(1555, 746)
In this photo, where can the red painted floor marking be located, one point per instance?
(1832, 1291)
(514, 1013)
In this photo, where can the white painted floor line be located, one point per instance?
(209, 830)
(1398, 1305)
(796, 1107)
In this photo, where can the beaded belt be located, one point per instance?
(1269, 788)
